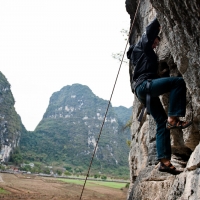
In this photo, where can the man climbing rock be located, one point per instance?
(148, 86)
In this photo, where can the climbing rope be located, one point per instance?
(109, 101)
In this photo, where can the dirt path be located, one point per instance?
(38, 188)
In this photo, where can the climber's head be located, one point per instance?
(156, 42)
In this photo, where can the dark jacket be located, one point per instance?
(143, 56)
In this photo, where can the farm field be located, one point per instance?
(30, 187)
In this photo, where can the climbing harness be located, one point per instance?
(148, 101)
(148, 96)
(109, 101)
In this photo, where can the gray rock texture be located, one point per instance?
(179, 54)
(11, 125)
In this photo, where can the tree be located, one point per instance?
(47, 171)
(103, 177)
(16, 157)
(118, 56)
(67, 173)
(59, 172)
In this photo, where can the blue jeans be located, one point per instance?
(177, 107)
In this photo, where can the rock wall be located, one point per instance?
(10, 123)
(178, 53)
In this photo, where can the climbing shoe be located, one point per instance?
(169, 169)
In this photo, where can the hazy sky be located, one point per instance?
(48, 44)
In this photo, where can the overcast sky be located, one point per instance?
(48, 44)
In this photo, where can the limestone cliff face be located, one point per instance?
(179, 53)
(10, 122)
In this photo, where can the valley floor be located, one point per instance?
(30, 187)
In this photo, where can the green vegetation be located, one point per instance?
(2, 191)
(124, 114)
(96, 176)
(16, 156)
(68, 168)
(127, 185)
(67, 173)
(59, 172)
(128, 142)
(66, 135)
(127, 125)
(37, 168)
(103, 177)
(2, 167)
(111, 184)
(93, 183)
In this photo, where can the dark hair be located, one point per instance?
(158, 37)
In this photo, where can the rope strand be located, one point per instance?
(109, 101)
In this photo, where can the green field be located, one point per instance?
(94, 183)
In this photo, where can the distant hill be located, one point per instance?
(68, 132)
(123, 113)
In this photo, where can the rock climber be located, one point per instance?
(144, 69)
